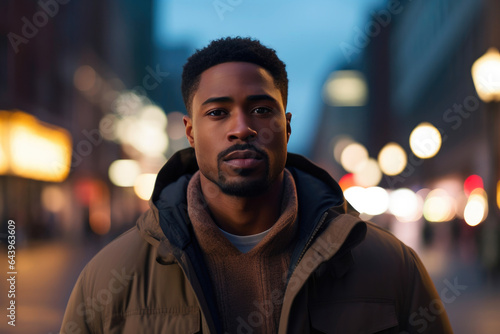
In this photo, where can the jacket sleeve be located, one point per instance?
(425, 312)
(75, 319)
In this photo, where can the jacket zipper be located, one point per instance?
(316, 230)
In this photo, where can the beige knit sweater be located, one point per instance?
(249, 287)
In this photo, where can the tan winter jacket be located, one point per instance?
(347, 276)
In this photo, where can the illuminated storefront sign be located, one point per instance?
(32, 149)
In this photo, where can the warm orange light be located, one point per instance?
(425, 140)
(144, 185)
(392, 159)
(123, 172)
(33, 149)
(498, 194)
(94, 194)
(353, 156)
(476, 209)
(439, 206)
(53, 198)
(100, 222)
(99, 208)
(368, 174)
(4, 164)
(347, 181)
(486, 75)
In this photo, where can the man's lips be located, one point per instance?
(243, 154)
(243, 159)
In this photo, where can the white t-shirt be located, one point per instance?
(245, 243)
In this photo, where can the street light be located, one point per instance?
(486, 76)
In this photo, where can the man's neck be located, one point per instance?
(244, 215)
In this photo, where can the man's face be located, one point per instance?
(238, 128)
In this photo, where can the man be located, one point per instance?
(243, 237)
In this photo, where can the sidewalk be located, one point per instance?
(477, 312)
(45, 277)
(470, 299)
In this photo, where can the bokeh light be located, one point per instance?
(439, 206)
(347, 181)
(85, 78)
(129, 103)
(145, 131)
(147, 138)
(392, 159)
(124, 172)
(371, 201)
(154, 115)
(368, 173)
(376, 201)
(498, 194)
(356, 197)
(99, 221)
(339, 144)
(405, 205)
(144, 185)
(476, 209)
(474, 212)
(486, 75)
(107, 127)
(345, 89)
(4, 167)
(353, 156)
(34, 149)
(53, 198)
(425, 140)
(471, 183)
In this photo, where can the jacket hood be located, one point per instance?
(177, 170)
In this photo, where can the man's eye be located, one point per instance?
(216, 112)
(261, 110)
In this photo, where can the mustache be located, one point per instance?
(241, 147)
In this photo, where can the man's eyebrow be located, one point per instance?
(217, 99)
(260, 97)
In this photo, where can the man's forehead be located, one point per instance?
(226, 77)
(238, 69)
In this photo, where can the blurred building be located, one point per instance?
(172, 59)
(66, 62)
(416, 58)
(432, 49)
(356, 101)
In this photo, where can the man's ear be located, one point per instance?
(288, 127)
(188, 124)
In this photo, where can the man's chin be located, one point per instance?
(244, 189)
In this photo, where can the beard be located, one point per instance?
(244, 187)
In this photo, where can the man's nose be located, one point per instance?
(241, 127)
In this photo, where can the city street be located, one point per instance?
(107, 104)
(47, 272)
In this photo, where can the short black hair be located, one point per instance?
(230, 49)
